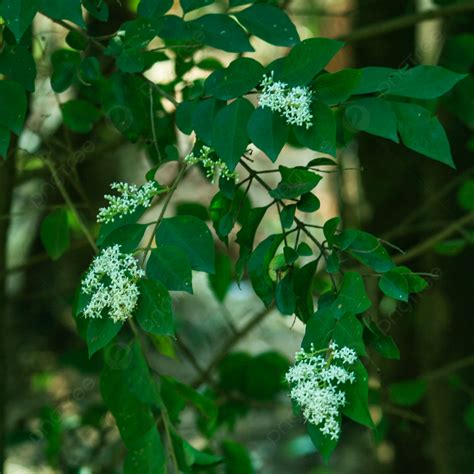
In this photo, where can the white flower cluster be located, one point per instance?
(112, 282)
(213, 169)
(294, 103)
(129, 198)
(315, 387)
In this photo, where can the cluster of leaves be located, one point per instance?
(285, 268)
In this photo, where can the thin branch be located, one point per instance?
(449, 368)
(71, 205)
(379, 29)
(428, 244)
(402, 413)
(434, 198)
(232, 341)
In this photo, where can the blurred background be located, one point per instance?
(55, 421)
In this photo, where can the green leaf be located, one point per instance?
(90, 70)
(269, 23)
(466, 195)
(375, 79)
(154, 311)
(246, 237)
(264, 376)
(337, 87)
(150, 8)
(13, 110)
(221, 280)
(136, 33)
(407, 393)
(394, 285)
(303, 287)
(294, 182)
(422, 132)
(287, 216)
(222, 32)
(65, 67)
(18, 15)
(100, 331)
(423, 82)
(304, 250)
(268, 131)
(192, 236)
(184, 116)
(17, 63)
(148, 458)
(63, 10)
(241, 76)
(128, 237)
(319, 329)
(119, 222)
(229, 136)
(189, 5)
(291, 255)
(79, 115)
(307, 59)
(237, 458)
(365, 248)
(285, 295)
(54, 233)
(204, 118)
(120, 386)
(324, 444)
(330, 228)
(170, 265)
(352, 297)
(372, 115)
(131, 60)
(321, 162)
(258, 266)
(4, 141)
(321, 136)
(205, 405)
(76, 41)
(357, 394)
(382, 343)
(348, 332)
(308, 203)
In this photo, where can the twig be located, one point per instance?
(449, 368)
(434, 198)
(406, 21)
(233, 340)
(434, 239)
(402, 413)
(71, 205)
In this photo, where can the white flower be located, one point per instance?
(214, 168)
(112, 282)
(315, 387)
(129, 198)
(294, 103)
(348, 356)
